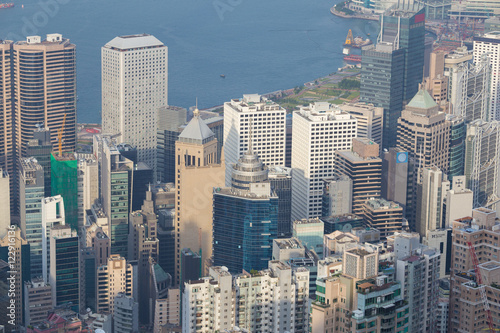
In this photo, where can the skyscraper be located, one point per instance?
(489, 44)
(6, 108)
(53, 215)
(281, 183)
(197, 173)
(266, 122)
(4, 202)
(482, 162)
(40, 147)
(319, 130)
(65, 266)
(245, 217)
(382, 83)
(31, 190)
(64, 182)
(370, 120)
(134, 87)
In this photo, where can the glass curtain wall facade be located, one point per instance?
(119, 212)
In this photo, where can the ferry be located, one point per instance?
(6, 5)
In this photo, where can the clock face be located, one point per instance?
(402, 157)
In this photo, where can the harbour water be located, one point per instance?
(259, 45)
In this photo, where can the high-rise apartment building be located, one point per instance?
(382, 83)
(53, 215)
(117, 276)
(431, 194)
(370, 120)
(482, 162)
(31, 194)
(65, 266)
(257, 117)
(37, 301)
(468, 84)
(319, 130)
(424, 133)
(134, 87)
(489, 44)
(466, 305)
(363, 166)
(245, 217)
(197, 173)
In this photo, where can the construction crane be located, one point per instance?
(350, 39)
(481, 286)
(59, 135)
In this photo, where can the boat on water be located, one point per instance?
(6, 5)
(223, 76)
(356, 42)
(352, 58)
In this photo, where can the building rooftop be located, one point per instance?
(196, 131)
(289, 243)
(315, 220)
(133, 42)
(422, 100)
(355, 157)
(381, 203)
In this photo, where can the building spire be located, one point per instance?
(196, 112)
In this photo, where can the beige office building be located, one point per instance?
(197, 173)
(114, 278)
(424, 133)
(370, 120)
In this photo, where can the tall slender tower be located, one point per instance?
(134, 87)
(197, 173)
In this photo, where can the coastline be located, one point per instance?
(333, 11)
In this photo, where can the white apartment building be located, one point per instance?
(370, 120)
(134, 73)
(88, 185)
(319, 130)
(112, 279)
(489, 44)
(264, 121)
(270, 300)
(52, 215)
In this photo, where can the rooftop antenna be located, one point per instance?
(196, 112)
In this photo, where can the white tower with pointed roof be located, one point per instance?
(134, 73)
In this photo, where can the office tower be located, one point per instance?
(116, 181)
(37, 301)
(310, 233)
(4, 202)
(88, 278)
(437, 83)
(116, 277)
(170, 119)
(286, 248)
(385, 216)
(458, 133)
(418, 274)
(255, 116)
(64, 182)
(288, 146)
(191, 267)
(280, 179)
(458, 201)
(370, 120)
(337, 196)
(397, 172)
(197, 173)
(405, 29)
(31, 190)
(382, 84)
(424, 133)
(245, 217)
(164, 198)
(131, 101)
(363, 166)
(469, 84)
(215, 122)
(482, 162)
(489, 44)
(53, 214)
(126, 315)
(466, 303)
(319, 130)
(431, 194)
(15, 245)
(345, 223)
(65, 266)
(88, 185)
(40, 147)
